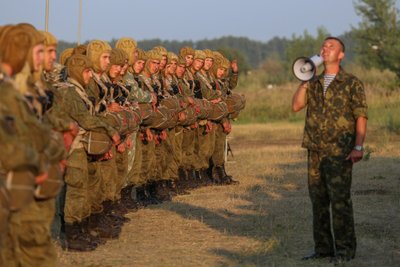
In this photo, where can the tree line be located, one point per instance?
(373, 44)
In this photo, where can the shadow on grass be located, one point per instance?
(278, 216)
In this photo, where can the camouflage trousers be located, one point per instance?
(172, 146)
(148, 161)
(188, 142)
(204, 148)
(109, 176)
(329, 183)
(218, 156)
(122, 169)
(134, 175)
(77, 206)
(95, 195)
(28, 242)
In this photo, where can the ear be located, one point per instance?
(341, 55)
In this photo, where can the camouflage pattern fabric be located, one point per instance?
(330, 121)
(329, 183)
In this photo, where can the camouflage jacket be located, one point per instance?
(330, 125)
(136, 92)
(15, 155)
(208, 85)
(30, 131)
(80, 109)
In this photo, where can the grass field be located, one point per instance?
(266, 219)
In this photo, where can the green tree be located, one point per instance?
(377, 36)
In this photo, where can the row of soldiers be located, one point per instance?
(103, 132)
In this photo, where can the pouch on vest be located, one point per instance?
(219, 111)
(96, 143)
(235, 103)
(52, 185)
(21, 186)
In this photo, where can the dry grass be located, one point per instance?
(264, 221)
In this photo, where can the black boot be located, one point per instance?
(205, 178)
(145, 195)
(193, 178)
(101, 226)
(228, 179)
(218, 175)
(75, 239)
(128, 199)
(92, 235)
(183, 180)
(161, 191)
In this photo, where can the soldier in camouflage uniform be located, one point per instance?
(19, 160)
(132, 79)
(29, 242)
(186, 166)
(105, 167)
(205, 132)
(224, 84)
(334, 133)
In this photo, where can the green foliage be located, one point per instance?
(378, 34)
(233, 54)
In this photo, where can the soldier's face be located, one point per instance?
(171, 67)
(331, 51)
(38, 56)
(198, 64)
(221, 72)
(180, 70)
(50, 56)
(87, 75)
(104, 61)
(208, 62)
(154, 66)
(135, 55)
(163, 62)
(189, 60)
(124, 69)
(138, 66)
(115, 71)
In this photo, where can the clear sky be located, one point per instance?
(183, 19)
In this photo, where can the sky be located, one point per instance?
(183, 19)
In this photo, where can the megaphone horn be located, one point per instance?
(305, 68)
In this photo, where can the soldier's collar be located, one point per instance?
(340, 76)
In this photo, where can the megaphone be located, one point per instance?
(305, 68)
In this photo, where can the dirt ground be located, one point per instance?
(266, 219)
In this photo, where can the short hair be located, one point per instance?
(337, 39)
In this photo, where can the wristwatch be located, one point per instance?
(358, 148)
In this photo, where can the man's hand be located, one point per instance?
(114, 107)
(41, 178)
(116, 139)
(121, 148)
(355, 156)
(234, 66)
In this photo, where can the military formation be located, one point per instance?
(100, 133)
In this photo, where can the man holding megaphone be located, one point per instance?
(334, 133)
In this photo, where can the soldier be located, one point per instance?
(79, 107)
(334, 134)
(105, 167)
(129, 113)
(205, 132)
(223, 127)
(19, 160)
(186, 173)
(132, 79)
(29, 242)
(52, 80)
